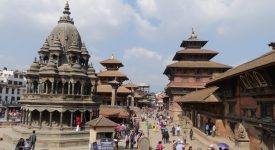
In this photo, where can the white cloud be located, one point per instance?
(141, 53)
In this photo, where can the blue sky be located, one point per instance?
(143, 34)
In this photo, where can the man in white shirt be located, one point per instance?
(178, 130)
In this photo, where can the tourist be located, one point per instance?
(27, 145)
(213, 130)
(78, 121)
(116, 143)
(163, 136)
(179, 145)
(190, 148)
(206, 128)
(178, 130)
(132, 139)
(167, 136)
(33, 139)
(173, 130)
(127, 140)
(174, 144)
(20, 144)
(160, 146)
(184, 137)
(191, 134)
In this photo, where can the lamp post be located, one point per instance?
(115, 84)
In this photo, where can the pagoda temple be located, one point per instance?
(191, 71)
(60, 87)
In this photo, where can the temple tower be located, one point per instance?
(60, 87)
(191, 71)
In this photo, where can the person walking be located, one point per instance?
(127, 140)
(173, 130)
(160, 146)
(132, 140)
(167, 136)
(32, 140)
(206, 128)
(178, 130)
(191, 134)
(214, 130)
(20, 144)
(27, 144)
(184, 137)
(179, 145)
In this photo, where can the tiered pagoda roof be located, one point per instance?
(193, 56)
(111, 73)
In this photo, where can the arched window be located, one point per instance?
(245, 82)
(260, 79)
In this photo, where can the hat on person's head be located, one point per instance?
(211, 145)
(181, 142)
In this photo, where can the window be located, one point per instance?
(9, 82)
(15, 82)
(20, 83)
(12, 91)
(266, 110)
(7, 90)
(21, 76)
(18, 91)
(231, 108)
(1, 89)
(6, 98)
(18, 98)
(15, 75)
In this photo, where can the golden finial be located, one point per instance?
(113, 56)
(193, 35)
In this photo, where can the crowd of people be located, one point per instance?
(28, 143)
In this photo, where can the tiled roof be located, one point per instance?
(111, 73)
(199, 85)
(200, 96)
(102, 122)
(106, 88)
(113, 111)
(196, 64)
(198, 51)
(111, 61)
(264, 60)
(130, 85)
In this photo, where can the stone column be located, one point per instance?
(47, 88)
(30, 119)
(27, 117)
(82, 87)
(40, 119)
(61, 120)
(62, 88)
(69, 88)
(52, 88)
(81, 117)
(72, 113)
(73, 89)
(51, 114)
(38, 88)
(23, 121)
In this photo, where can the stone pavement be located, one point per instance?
(155, 137)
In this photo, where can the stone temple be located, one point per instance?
(60, 87)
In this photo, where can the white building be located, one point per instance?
(12, 85)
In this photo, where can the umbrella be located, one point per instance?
(223, 145)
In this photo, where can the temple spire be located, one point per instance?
(67, 9)
(66, 15)
(193, 35)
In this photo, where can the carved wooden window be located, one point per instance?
(260, 79)
(245, 82)
(231, 108)
(266, 110)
